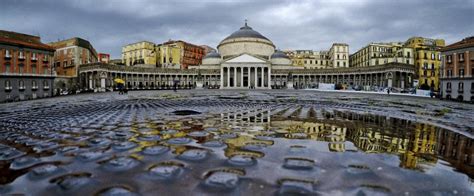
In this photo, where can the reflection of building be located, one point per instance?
(457, 75)
(139, 53)
(427, 59)
(25, 67)
(422, 143)
(458, 150)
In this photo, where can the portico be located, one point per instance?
(245, 71)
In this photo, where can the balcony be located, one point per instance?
(21, 57)
(461, 91)
(448, 90)
(34, 88)
(8, 56)
(46, 87)
(34, 59)
(22, 88)
(8, 88)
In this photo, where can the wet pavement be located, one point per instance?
(236, 143)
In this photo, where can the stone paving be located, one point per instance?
(233, 142)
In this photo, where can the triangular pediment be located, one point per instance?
(245, 58)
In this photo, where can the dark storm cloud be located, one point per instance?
(289, 24)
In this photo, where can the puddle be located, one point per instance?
(134, 148)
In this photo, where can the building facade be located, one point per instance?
(427, 56)
(382, 53)
(339, 55)
(457, 79)
(103, 58)
(309, 59)
(139, 53)
(176, 53)
(25, 67)
(245, 60)
(71, 53)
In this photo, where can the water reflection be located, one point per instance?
(276, 147)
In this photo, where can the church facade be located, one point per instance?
(245, 60)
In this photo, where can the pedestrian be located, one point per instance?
(388, 91)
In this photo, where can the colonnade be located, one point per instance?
(245, 77)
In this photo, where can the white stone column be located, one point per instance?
(242, 77)
(222, 78)
(269, 79)
(235, 77)
(256, 78)
(263, 76)
(228, 77)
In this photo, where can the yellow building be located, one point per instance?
(309, 59)
(427, 60)
(169, 55)
(139, 53)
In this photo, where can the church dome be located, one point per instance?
(246, 32)
(280, 58)
(279, 54)
(212, 54)
(211, 58)
(248, 41)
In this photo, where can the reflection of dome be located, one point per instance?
(211, 58)
(246, 40)
(280, 58)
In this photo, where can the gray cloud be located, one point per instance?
(290, 24)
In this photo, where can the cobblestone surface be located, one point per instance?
(236, 142)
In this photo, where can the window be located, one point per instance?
(338, 56)
(45, 84)
(432, 66)
(432, 56)
(338, 63)
(33, 56)
(408, 55)
(21, 55)
(22, 68)
(33, 68)
(449, 73)
(408, 61)
(439, 57)
(7, 68)
(21, 85)
(7, 54)
(449, 58)
(344, 63)
(461, 87)
(461, 72)
(425, 56)
(45, 71)
(65, 64)
(8, 85)
(425, 73)
(45, 57)
(344, 57)
(448, 86)
(461, 57)
(34, 85)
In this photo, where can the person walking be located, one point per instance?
(388, 90)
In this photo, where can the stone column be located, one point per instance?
(222, 78)
(235, 77)
(228, 77)
(269, 78)
(242, 76)
(256, 78)
(263, 76)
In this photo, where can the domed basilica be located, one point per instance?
(245, 59)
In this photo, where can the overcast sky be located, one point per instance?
(292, 24)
